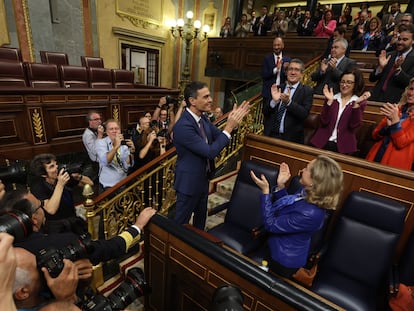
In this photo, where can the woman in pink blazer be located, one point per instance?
(326, 25)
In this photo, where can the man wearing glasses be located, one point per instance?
(332, 67)
(290, 105)
(94, 131)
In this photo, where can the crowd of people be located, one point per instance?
(286, 102)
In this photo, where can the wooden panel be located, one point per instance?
(185, 290)
(242, 58)
(53, 120)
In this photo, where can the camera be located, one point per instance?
(171, 100)
(52, 259)
(162, 133)
(14, 173)
(227, 297)
(17, 224)
(132, 288)
(71, 168)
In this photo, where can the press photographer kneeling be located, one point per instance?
(55, 262)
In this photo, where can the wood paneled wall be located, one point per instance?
(34, 121)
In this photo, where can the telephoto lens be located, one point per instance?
(17, 224)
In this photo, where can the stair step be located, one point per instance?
(225, 188)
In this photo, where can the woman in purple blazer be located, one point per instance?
(341, 114)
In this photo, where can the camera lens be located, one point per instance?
(133, 287)
(16, 223)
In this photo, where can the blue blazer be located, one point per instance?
(269, 78)
(191, 176)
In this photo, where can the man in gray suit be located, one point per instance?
(331, 68)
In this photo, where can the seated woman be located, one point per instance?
(341, 114)
(372, 39)
(291, 220)
(54, 186)
(395, 133)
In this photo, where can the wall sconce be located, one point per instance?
(188, 31)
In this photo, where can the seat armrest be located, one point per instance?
(205, 235)
(218, 208)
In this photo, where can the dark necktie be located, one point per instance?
(389, 75)
(204, 136)
(279, 114)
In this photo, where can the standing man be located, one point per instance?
(287, 111)
(263, 23)
(273, 72)
(93, 132)
(390, 20)
(394, 69)
(331, 68)
(198, 142)
(115, 154)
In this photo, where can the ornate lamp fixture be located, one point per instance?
(188, 31)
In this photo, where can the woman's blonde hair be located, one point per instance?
(403, 99)
(327, 183)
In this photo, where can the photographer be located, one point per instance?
(164, 115)
(54, 186)
(27, 288)
(153, 143)
(116, 156)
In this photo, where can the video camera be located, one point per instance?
(17, 224)
(52, 259)
(14, 173)
(132, 288)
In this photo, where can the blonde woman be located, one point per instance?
(291, 220)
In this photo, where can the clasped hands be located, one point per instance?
(277, 95)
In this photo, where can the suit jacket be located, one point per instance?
(265, 27)
(349, 122)
(269, 78)
(331, 77)
(295, 116)
(191, 176)
(397, 84)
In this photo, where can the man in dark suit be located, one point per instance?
(395, 69)
(332, 67)
(198, 142)
(263, 23)
(390, 20)
(273, 72)
(287, 111)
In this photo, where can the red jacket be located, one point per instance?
(400, 150)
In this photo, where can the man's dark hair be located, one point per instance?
(37, 166)
(298, 61)
(90, 113)
(191, 90)
(341, 30)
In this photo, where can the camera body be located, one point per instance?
(132, 288)
(52, 259)
(71, 168)
(17, 224)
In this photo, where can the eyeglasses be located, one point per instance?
(294, 69)
(96, 119)
(347, 82)
(42, 203)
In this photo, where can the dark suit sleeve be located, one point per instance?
(187, 135)
(336, 73)
(301, 105)
(267, 68)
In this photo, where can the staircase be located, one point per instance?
(223, 187)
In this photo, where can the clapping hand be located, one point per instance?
(328, 93)
(284, 175)
(276, 92)
(261, 182)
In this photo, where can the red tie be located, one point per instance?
(277, 61)
(389, 75)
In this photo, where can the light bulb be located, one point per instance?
(173, 23)
(206, 28)
(190, 14)
(180, 22)
(197, 24)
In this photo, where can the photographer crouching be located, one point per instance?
(59, 260)
(53, 185)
